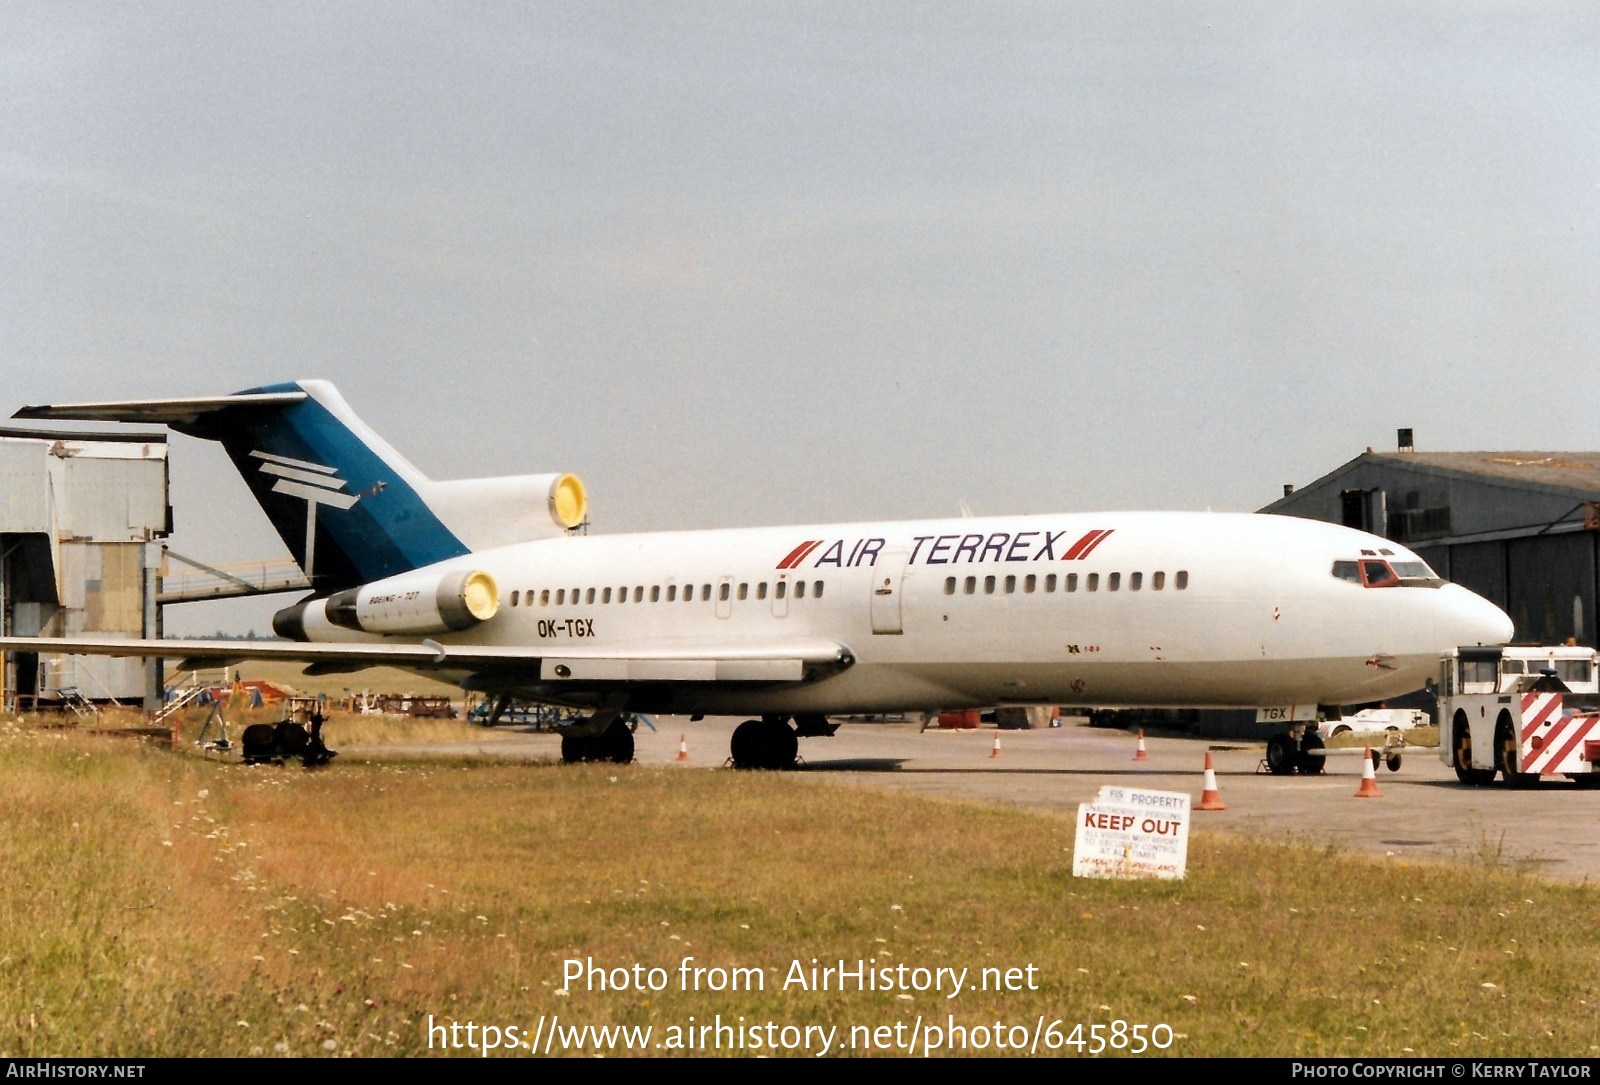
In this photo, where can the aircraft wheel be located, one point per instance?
(576, 748)
(1461, 754)
(764, 744)
(616, 745)
(1505, 754)
(1280, 755)
(1308, 763)
(745, 747)
(1392, 761)
(783, 745)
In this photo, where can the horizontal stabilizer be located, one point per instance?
(171, 412)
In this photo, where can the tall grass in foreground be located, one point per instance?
(155, 904)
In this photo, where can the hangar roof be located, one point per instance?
(1576, 471)
(1443, 497)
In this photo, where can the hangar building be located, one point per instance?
(1519, 528)
(81, 519)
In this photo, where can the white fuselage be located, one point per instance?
(1194, 609)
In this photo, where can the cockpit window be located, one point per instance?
(1377, 573)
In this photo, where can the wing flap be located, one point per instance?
(775, 661)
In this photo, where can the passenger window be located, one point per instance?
(744, 591)
(1029, 582)
(723, 591)
(513, 598)
(1050, 582)
(781, 590)
(988, 585)
(1135, 581)
(761, 590)
(588, 596)
(1114, 582)
(1158, 581)
(971, 585)
(799, 589)
(1071, 582)
(705, 593)
(949, 585)
(1011, 585)
(672, 593)
(1181, 580)
(1092, 582)
(638, 594)
(544, 598)
(817, 594)
(605, 595)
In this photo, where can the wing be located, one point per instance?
(786, 661)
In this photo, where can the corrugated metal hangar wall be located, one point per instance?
(80, 519)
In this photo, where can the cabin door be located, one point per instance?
(887, 585)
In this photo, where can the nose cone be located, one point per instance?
(1469, 618)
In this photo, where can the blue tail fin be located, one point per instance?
(347, 505)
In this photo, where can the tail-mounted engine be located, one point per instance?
(411, 603)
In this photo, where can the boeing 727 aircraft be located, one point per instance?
(490, 584)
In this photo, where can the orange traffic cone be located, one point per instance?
(996, 751)
(683, 747)
(1369, 779)
(1209, 798)
(1141, 754)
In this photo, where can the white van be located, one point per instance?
(1377, 721)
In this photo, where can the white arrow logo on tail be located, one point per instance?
(312, 483)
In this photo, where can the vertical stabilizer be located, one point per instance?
(347, 505)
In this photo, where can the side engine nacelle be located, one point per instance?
(411, 603)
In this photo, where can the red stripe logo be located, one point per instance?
(1085, 546)
(798, 554)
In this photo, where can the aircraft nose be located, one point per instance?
(1474, 620)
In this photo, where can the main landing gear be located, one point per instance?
(767, 743)
(771, 743)
(605, 736)
(614, 744)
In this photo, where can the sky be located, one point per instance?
(754, 263)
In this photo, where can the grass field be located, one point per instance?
(157, 904)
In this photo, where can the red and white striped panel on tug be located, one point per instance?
(1553, 742)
